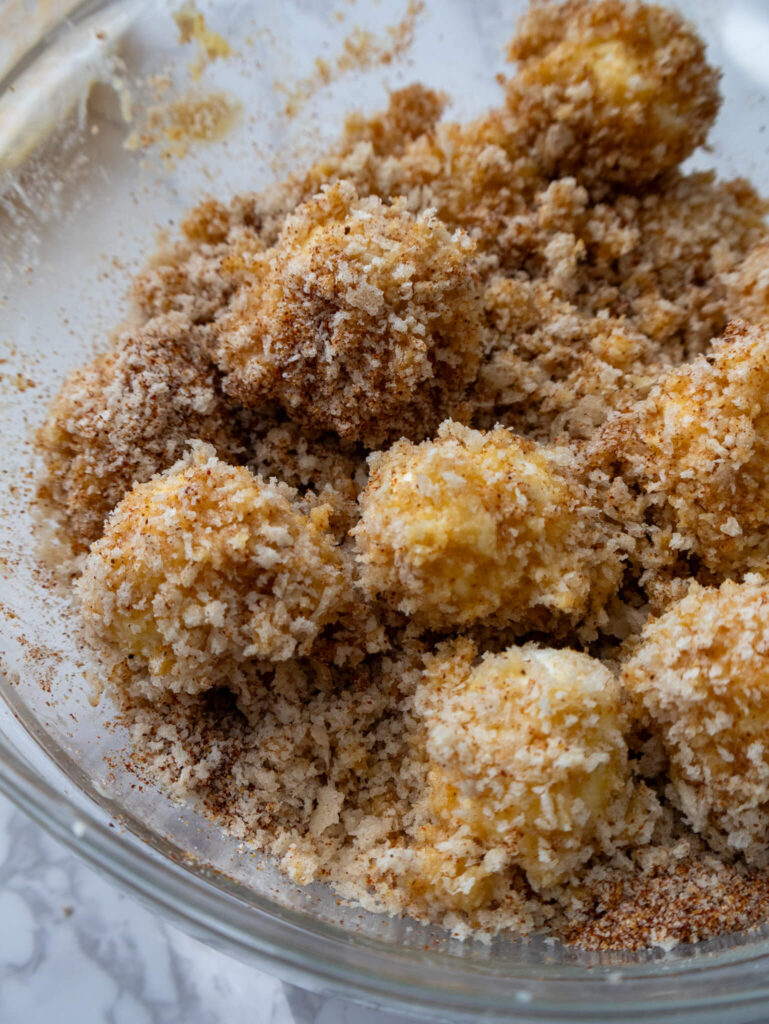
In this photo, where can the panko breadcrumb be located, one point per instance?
(363, 319)
(701, 676)
(397, 670)
(484, 526)
(611, 91)
(528, 755)
(128, 415)
(206, 566)
(323, 468)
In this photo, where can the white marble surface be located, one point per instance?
(74, 950)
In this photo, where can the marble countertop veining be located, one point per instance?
(74, 950)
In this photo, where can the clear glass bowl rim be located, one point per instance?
(725, 985)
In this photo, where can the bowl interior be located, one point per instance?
(80, 209)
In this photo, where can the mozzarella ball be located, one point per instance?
(364, 319)
(206, 567)
(700, 676)
(610, 91)
(476, 526)
(528, 755)
(699, 447)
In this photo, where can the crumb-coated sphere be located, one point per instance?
(125, 417)
(476, 526)
(206, 566)
(700, 444)
(610, 90)
(363, 319)
(700, 674)
(528, 753)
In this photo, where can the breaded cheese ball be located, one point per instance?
(208, 566)
(125, 417)
(700, 444)
(528, 755)
(701, 676)
(609, 90)
(483, 526)
(363, 319)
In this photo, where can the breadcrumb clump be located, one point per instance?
(698, 448)
(206, 566)
(363, 319)
(320, 466)
(411, 112)
(610, 91)
(528, 755)
(125, 417)
(476, 526)
(701, 676)
(599, 299)
(555, 371)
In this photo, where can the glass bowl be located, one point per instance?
(85, 187)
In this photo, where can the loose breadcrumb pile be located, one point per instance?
(418, 495)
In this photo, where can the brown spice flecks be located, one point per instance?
(691, 902)
(361, 51)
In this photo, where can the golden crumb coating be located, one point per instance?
(410, 112)
(363, 319)
(698, 448)
(748, 286)
(476, 526)
(125, 417)
(701, 676)
(528, 756)
(610, 91)
(208, 566)
(475, 175)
